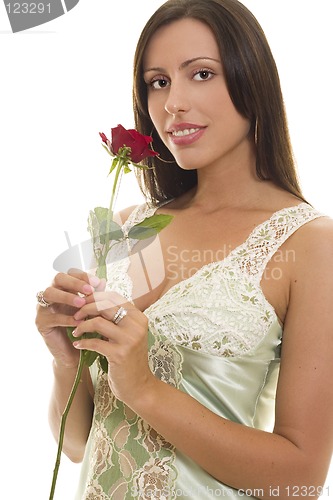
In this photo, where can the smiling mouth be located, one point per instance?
(186, 131)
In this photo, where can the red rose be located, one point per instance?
(132, 139)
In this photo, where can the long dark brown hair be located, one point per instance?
(253, 84)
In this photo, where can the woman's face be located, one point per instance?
(188, 99)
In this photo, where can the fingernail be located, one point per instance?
(88, 289)
(76, 344)
(74, 333)
(94, 281)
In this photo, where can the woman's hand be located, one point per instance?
(123, 344)
(64, 302)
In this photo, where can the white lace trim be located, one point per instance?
(254, 254)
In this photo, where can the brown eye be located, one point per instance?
(203, 74)
(160, 83)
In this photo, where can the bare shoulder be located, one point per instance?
(315, 239)
(312, 247)
(322, 224)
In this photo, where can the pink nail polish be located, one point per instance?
(94, 281)
(88, 289)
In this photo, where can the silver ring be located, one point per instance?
(120, 314)
(41, 301)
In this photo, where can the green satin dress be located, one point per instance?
(213, 336)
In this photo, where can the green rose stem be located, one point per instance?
(121, 161)
(63, 422)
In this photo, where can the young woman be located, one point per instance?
(219, 379)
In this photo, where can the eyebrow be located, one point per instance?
(184, 64)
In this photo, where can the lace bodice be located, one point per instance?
(215, 337)
(236, 314)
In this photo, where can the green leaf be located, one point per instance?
(127, 169)
(90, 357)
(95, 220)
(149, 227)
(97, 229)
(115, 232)
(101, 213)
(92, 225)
(114, 164)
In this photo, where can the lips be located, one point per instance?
(185, 133)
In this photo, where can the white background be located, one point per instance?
(62, 83)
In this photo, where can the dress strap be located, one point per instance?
(267, 238)
(118, 261)
(139, 213)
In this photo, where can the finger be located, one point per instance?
(113, 297)
(54, 295)
(93, 280)
(133, 325)
(119, 300)
(98, 284)
(76, 282)
(46, 322)
(103, 298)
(106, 304)
(66, 287)
(100, 346)
(100, 325)
(104, 307)
(101, 286)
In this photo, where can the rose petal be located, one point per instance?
(134, 140)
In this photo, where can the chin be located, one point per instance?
(186, 166)
(188, 162)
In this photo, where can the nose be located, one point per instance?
(177, 101)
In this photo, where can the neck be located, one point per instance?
(231, 183)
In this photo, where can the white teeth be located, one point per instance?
(186, 131)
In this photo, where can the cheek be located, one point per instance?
(233, 120)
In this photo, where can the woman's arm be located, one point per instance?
(80, 415)
(298, 452)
